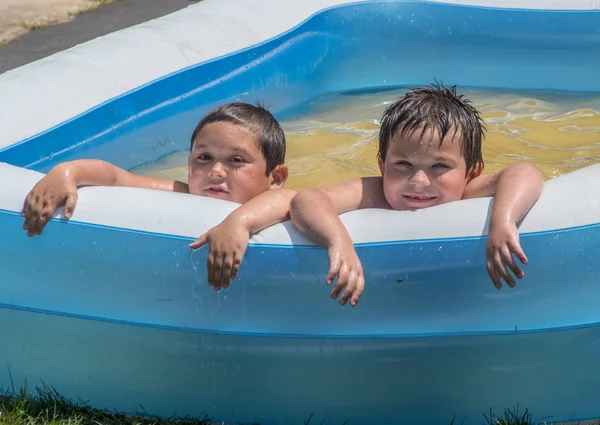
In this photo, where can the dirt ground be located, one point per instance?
(18, 17)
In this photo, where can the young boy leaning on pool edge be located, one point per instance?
(237, 153)
(429, 154)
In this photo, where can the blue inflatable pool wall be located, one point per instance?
(123, 317)
(357, 46)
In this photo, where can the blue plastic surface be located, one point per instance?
(125, 319)
(357, 46)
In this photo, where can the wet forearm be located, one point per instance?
(314, 214)
(265, 210)
(518, 189)
(89, 172)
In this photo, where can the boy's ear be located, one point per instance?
(380, 163)
(278, 176)
(475, 171)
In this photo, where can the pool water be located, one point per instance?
(334, 137)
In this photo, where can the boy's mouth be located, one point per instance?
(419, 198)
(216, 191)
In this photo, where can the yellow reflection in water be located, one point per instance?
(334, 137)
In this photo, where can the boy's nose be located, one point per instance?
(217, 170)
(420, 178)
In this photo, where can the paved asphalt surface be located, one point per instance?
(87, 26)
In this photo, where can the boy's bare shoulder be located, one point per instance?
(358, 193)
(136, 180)
(481, 186)
(180, 187)
(372, 193)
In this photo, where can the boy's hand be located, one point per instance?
(227, 244)
(503, 242)
(345, 264)
(56, 189)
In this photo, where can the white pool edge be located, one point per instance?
(40, 95)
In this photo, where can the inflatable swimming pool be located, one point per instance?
(113, 307)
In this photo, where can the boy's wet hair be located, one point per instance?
(437, 108)
(258, 121)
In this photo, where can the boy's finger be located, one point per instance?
(510, 262)
(518, 251)
(334, 268)
(218, 272)
(27, 220)
(202, 240)
(342, 280)
(41, 223)
(29, 213)
(235, 268)
(227, 266)
(360, 286)
(496, 280)
(32, 225)
(210, 260)
(349, 289)
(70, 204)
(26, 203)
(509, 279)
(493, 274)
(504, 274)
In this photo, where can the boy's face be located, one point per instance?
(226, 163)
(419, 172)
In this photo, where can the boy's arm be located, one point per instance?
(228, 240)
(59, 187)
(515, 190)
(315, 212)
(90, 172)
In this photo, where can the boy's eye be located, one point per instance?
(204, 157)
(237, 160)
(440, 165)
(403, 163)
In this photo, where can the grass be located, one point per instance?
(41, 23)
(45, 406)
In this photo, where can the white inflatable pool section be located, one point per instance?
(50, 91)
(568, 201)
(113, 307)
(69, 81)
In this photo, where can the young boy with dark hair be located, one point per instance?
(429, 154)
(237, 153)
